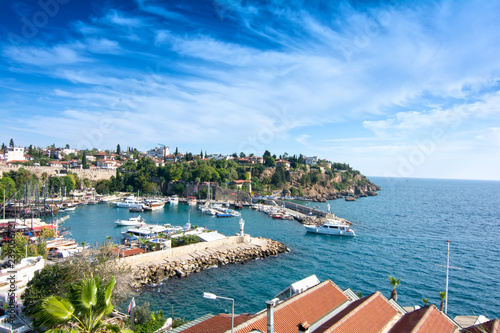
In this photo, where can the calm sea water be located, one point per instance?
(401, 232)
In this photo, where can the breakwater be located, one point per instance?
(185, 260)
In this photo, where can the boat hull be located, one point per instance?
(335, 231)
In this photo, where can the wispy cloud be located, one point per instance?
(381, 76)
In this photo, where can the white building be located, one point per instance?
(159, 152)
(311, 160)
(14, 154)
(15, 280)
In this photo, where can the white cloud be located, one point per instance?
(43, 56)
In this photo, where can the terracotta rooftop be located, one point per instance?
(369, 314)
(492, 326)
(425, 320)
(218, 324)
(308, 306)
(241, 181)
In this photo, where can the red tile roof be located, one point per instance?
(240, 181)
(425, 320)
(218, 324)
(492, 326)
(308, 306)
(369, 314)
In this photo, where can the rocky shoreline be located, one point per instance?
(153, 274)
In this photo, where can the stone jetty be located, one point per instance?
(152, 268)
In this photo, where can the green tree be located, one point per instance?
(84, 160)
(394, 283)
(425, 300)
(42, 286)
(9, 185)
(118, 150)
(87, 303)
(179, 188)
(442, 294)
(11, 144)
(69, 183)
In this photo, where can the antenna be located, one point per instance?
(447, 276)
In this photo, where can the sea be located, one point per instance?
(401, 232)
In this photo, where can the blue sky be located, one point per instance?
(403, 89)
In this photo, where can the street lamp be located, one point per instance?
(213, 296)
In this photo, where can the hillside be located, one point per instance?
(317, 183)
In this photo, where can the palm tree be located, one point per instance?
(442, 294)
(394, 283)
(425, 300)
(88, 301)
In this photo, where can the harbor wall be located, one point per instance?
(91, 174)
(298, 208)
(154, 273)
(159, 256)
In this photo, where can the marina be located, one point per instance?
(394, 236)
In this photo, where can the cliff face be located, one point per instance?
(321, 186)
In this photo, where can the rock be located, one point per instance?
(350, 199)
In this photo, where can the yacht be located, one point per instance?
(128, 202)
(331, 227)
(132, 221)
(173, 200)
(146, 231)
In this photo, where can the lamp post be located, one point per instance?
(213, 296)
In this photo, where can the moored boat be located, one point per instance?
(137, 220)
(153, 204)
(331, 227)
(128, 202)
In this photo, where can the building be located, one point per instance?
(107, 164)
(160, 152)
(23, 272)
(311, 161)
(309, 306)
(14, 154)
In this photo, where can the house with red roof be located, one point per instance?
(325, 308)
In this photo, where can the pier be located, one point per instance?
(301, 209)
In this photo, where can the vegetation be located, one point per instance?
(185, 240)
(87, 302)
(93, 262)
(394, 283)
(442, 294)
(21, 246)
(146, 321)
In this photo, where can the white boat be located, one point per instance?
(137, 220)
(128, 202)
(331, 227)
(227, 213)
(173, 200)
(145, 231)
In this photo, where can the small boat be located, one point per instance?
(331, 227)
(137, 209)
(173, 200)
(191, 201)
(131, 221)
(227, 213)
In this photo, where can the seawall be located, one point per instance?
(151, 268)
